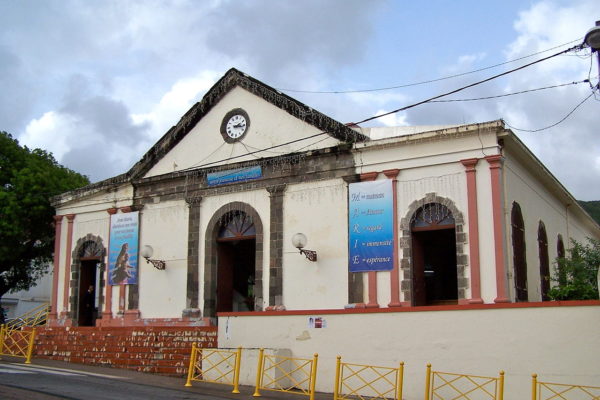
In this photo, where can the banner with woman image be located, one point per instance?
(123, 250)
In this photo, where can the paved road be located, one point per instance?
(20, 381)
(53, 380)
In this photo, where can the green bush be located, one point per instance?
(576, 276)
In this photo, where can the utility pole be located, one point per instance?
(592, 39)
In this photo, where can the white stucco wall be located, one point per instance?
(319, 210)
(557, 343)
(164, 226)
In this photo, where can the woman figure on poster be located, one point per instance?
(121, 271)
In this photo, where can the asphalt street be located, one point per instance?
(52, 380)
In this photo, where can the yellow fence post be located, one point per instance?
(30, 347)
(192, 366)
(534, 387)
(427, 381)
(313, 376)
(336, 387)
(501, 386)
(2, 335)
(261, 353)
(400, 381)
(236, 372)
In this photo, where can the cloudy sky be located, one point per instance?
(98, 82)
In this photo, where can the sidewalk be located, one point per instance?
(207, 389)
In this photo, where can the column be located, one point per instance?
(495, 163)
(394, 273)
(67, 276)
(473, 230)
(355, 279)
(192, 310)
(56, 267)
(371, 275)
(276, 246)
(107, 313)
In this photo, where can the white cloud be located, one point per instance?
(49, 132)
(391, 119)
(171, 107)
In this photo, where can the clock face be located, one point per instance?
(235, 125)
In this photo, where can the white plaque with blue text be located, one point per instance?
(370, 221)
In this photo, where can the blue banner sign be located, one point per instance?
(123, 250)
(234, 175)
(370, 221)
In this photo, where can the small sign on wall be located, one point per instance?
(317, 322)
(123, 251)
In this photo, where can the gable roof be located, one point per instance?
(230, 80)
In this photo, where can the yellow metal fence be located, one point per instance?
(286, 374)
(451, 386)
(356, 381)
(561, 391)
(35, 317)
(215, 365)
(17, 343)
(352, 381)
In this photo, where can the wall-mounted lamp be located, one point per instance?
(147, 252)
(299, 241)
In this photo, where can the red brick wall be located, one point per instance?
(163, 350)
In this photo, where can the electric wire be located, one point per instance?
(556, 123)
(468, 86)
(387, 113)
(510, 94)
(426, 81)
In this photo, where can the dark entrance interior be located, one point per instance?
(434, 271)
(435, 274)
(236, 255)
(87, 277)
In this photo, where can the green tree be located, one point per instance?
(28, 178)
(576, 275)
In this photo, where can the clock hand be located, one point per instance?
(239, 125)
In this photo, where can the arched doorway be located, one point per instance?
(236, 248)
(519, 252)
(434, 269)
(233, 250)
(544, 261)
(88, 267)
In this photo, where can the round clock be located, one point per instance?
(235, 125)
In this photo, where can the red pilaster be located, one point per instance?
(67, 277)
(107, 313)
(56, 268)
(372, 275)
(495, 163)
(394, 273)
(473, 230)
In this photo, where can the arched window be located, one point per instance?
(236, 225)
(544, 261)
(560, 254)
(519, 252)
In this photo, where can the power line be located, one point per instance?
(384, 114)
(511, 94)
(468, 86)
(427, 81)
(553, 125)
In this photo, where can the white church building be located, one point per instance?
(434, 244)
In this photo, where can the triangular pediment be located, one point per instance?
(276, 121)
